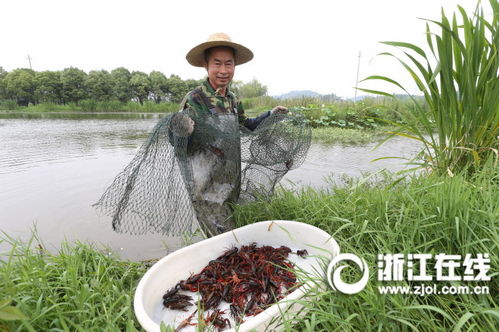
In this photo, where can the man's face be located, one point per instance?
(220, 66)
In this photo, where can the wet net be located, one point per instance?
(178, 183)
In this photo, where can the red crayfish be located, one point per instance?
(249, 279)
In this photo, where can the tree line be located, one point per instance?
(72, 85)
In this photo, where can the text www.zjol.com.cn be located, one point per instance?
(423, 290)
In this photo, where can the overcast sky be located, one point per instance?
(298, 45)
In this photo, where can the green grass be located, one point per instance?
(82, 289)
(79, 289)
(334, 135)
(428, 214)
(94, 106)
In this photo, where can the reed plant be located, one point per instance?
(458, 77)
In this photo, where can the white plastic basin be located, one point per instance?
(179, 265)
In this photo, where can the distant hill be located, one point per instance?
(298, 94)
(359, 98)
(397, 96)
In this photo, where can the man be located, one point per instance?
(212, 107)
(219, 56)
(190, 166)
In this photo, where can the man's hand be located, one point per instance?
(190, 126)
(182, 125)
(280, 110)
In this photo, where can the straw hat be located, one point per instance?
(196, 55)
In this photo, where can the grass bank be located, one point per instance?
(428, 214)
(94, 106)
(82, 289)
(333, 135)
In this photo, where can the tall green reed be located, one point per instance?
(459, 81)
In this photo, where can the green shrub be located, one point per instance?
(8, 105)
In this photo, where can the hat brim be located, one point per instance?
(196, 55)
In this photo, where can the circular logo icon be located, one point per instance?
(334, 274)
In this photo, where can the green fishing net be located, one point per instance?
(178, 183)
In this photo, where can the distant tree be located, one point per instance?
(235, 87)
(159, 86)
(176, 89)
(252, 89)
(191, 84)
(121, 84)
(3, 93)
(20, 86)
(141, 86)
(99, 85)
(48, 87)
(73, 85)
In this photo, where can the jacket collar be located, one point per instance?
(213, 92)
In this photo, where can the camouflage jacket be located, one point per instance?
(204, 99)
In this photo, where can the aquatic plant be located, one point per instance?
(459, 81)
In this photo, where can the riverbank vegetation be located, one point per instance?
(342, 136)
(90, 106)
(379, 215)
(332, 122)
(84, 289)
(79, 289)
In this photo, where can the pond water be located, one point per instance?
(54, 166)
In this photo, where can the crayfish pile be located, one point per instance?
(249, 279)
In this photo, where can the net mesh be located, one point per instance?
(177, 182)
